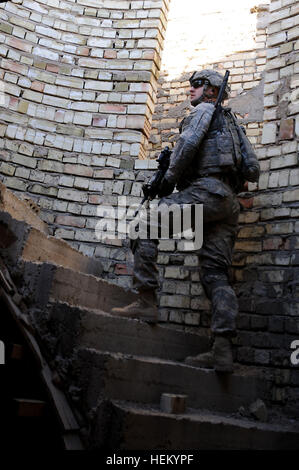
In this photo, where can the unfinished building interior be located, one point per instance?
(90, 92)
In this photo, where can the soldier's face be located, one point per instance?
(195, 94)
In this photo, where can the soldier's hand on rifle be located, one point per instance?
(165, 188)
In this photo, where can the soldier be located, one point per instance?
(203, 167)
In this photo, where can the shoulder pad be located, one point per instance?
(204, 107)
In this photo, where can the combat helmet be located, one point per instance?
(208, 77)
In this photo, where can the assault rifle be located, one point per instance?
(221, 93)
(151, 188)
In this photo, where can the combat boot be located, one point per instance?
(144, 308)
(220, 357)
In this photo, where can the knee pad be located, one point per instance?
(212, 278)
(144, 247)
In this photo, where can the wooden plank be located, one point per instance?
(23, 324)
(29, 408)
(61, 405)
(5, 283)
(60, 402)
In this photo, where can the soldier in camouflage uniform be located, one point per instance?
(203, 168)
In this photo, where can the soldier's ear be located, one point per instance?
(213, 91)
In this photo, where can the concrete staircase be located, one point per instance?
(116, 369)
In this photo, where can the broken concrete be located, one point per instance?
(20, 210)
(102, 331)
(259, 410)
(30, 244)
(144, 379)
(45, 282)
(248, 105)
(147, 428)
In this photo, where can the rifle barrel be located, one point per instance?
(222, 89)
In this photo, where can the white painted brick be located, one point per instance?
(99, 42)
(275, 5)
(269, 133)
(278, 38)
(54, 101)
(83, 118)
(42, 52)
(98, 85)
(73, 38)
(52, 33)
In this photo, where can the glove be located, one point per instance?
(165, 188)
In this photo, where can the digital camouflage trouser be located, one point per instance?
(220, 226)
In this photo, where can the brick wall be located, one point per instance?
(264, 84)
(269, 276)
(62, 127)
(78, 86)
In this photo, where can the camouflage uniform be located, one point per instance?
(220, 217)
(201, 163)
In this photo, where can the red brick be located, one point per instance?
(95, 199)
(110, 54)
(83, 51)
(70, 221)
(19, 44)
(122, 270)
(13, 103)
(272, 243)
(14, 66)
(105, 174)
(287, 129)
(247, 203)
(37, 86)
(53, 68)
(79, 170)
(135, 122)
(112, 108)
(148, 55)
(99, 122)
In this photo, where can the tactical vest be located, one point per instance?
(220, 150)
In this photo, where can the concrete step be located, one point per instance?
(131, 427)
(20, 209)
(20, 241)
(144, 379)
(46, 282)
(72, 327)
